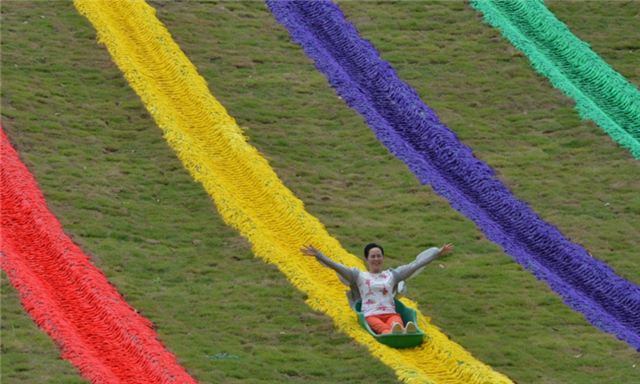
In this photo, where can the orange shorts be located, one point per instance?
(381, 324)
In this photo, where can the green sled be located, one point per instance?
(395, 340)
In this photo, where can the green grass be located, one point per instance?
(122, 195)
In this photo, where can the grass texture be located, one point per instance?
(122, 195)
(601, 93)
(247, 192)
(414, 134)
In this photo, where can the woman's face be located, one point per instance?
(375, 260)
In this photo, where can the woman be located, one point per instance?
(377, 288)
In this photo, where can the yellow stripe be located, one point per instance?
(247, 192)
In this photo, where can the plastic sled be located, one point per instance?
(395, 340)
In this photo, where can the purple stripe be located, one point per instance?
(413, 133)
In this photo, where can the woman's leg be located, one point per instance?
(394, 318)
(381, 324)
(377, 324)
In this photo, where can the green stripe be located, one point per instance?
(601, 94)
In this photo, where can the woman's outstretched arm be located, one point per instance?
(341, 270)
(421, 261)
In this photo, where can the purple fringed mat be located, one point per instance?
(413, 133)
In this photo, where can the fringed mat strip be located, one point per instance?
(413, 133)
(68, 297)
(248, 193)
(601, 93)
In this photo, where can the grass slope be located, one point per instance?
(122, 195)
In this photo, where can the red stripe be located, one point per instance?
(67, 296)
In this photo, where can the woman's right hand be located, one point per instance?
(309, 250)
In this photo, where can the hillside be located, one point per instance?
(122, 195)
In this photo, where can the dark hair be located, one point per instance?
(370, 246)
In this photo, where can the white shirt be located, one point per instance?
(377, 294)
(376, 290)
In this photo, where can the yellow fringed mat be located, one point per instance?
(246, 190)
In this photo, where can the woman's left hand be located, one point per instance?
(446, 249)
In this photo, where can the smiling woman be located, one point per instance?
(375, 290)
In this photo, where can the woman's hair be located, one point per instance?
(370, 246)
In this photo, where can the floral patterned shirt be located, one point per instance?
(376, 290)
